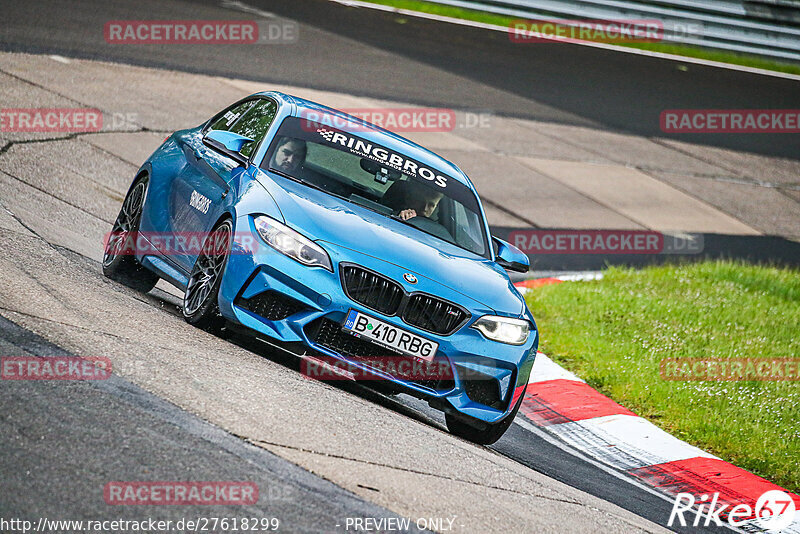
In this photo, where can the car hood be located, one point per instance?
(326, 218)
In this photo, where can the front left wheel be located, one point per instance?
(200, 307)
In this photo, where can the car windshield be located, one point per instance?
(380, 179)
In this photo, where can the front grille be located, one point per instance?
(437, 376)
(386, 296)
(271, 305)
(433, 314)
(372, 290)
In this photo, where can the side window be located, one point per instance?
(468, 229)
(254, 124)
(230, 115)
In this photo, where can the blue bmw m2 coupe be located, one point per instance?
(339, 242)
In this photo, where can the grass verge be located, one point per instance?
(745, 60)
(614, 332)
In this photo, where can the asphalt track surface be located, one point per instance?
(52, 435)
(363, 53)
(378, 54)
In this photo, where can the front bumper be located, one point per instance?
(295, 305)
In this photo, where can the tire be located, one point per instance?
(200, 307)
(490, 433)
(119, 262)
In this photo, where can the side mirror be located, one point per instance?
(227, 143)
(510, 257)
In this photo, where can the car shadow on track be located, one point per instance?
(372, 391)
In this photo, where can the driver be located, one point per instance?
(289, 155)
(421, 201)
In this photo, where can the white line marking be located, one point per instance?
(625, 441)
(60, 59)
(240, 6)
(794, 526)
(530, 427)
(581, 277)
(624, 49)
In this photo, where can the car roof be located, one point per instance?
(391, 140)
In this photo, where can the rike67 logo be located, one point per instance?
(774, 511)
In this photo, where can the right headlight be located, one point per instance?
(293, 244)
(503, 329)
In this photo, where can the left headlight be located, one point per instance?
(503, 329)
(293, 244)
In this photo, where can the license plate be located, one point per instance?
(389, 336)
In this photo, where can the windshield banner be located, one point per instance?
(309, 131)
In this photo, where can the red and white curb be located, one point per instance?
(557, 404)
(526, 285)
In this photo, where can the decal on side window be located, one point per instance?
(230, 118)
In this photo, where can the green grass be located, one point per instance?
(745, 60)
(614, 332)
